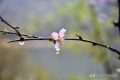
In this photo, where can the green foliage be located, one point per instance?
(31, 27)
(80, 11)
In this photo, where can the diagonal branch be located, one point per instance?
(117, 24)
(14, 28)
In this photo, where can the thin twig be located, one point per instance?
(29, 38)
(14, 28)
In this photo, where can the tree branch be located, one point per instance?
(14, 28)
(117, 24)
(30, 38)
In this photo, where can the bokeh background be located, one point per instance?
(37, 60)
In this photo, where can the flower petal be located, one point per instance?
(57, 46)
(62, 32)
(54, 35)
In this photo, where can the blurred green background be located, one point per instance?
(37, 60)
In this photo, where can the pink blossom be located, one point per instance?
(59, 38)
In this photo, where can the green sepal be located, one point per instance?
(5, 31)
(51, 40)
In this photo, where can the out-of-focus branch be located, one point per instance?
(117, 24)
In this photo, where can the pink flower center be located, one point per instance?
(60, 39)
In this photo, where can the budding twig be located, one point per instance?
(74, 39)
(14, 28)
(28, 36)
(31, 38)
